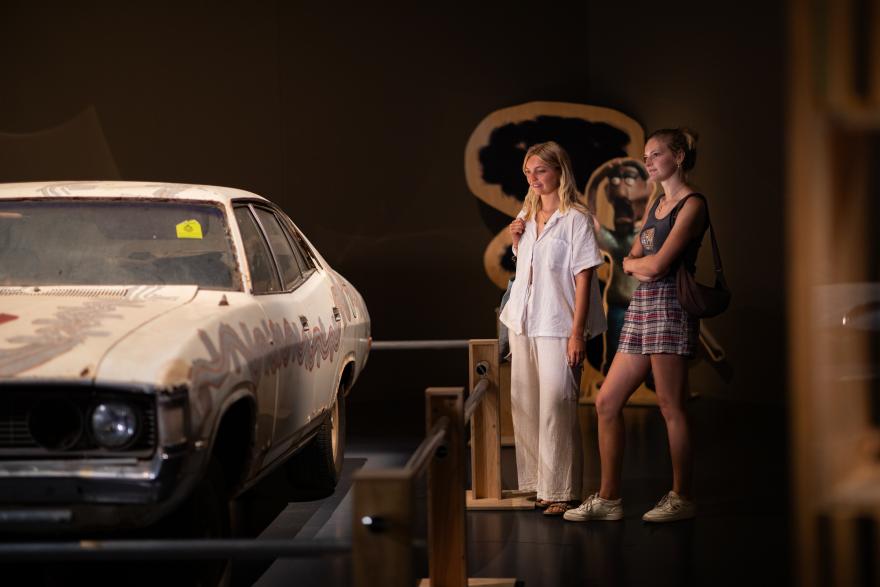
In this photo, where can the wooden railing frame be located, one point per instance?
(384, 504)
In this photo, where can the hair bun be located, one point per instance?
(690, 136)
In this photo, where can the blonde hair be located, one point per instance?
(556, 157)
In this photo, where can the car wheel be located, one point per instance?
(315, 470)
(205, 514)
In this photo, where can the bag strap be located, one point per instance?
(716, 254)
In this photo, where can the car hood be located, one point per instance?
(63, 332)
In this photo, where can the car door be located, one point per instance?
(331, 318)
(299, 317)
(265, 283)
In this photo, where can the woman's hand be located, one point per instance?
(577, 350)
(517, 228)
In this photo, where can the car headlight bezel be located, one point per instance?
(115, 425)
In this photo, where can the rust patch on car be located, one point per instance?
(177, 373)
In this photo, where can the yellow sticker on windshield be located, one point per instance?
(189, 229)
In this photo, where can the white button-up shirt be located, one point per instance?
(565, 247)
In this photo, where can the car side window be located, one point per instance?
(264, 276)
(284, 255)
(304, 253)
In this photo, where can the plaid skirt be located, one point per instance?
(656, 323)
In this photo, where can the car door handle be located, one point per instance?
(336, 314)
(305, 322)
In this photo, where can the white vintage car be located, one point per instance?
(162, 347)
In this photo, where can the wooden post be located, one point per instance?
(506, 417)
(447, 529)
(447, 539)
(486, 422)
(382, 552)
(486, 490)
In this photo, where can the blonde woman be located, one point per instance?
(658, 334)
(554, 307)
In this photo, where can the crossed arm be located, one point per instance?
(688, 225)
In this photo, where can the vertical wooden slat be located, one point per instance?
(807, 180)
(874, 57)
(845, 551)
(383, 558)
(506, 416)
(841, 66)
(486, 423)
(447, 539)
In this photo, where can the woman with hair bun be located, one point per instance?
(658, 334)
(554, 307)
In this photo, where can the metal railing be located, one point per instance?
(140, 550)
(408, 345)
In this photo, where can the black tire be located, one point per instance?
(206, 513)
(315, 470)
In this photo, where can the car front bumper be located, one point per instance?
(90, 495)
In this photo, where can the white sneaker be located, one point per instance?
(671, 508)
(596, 508)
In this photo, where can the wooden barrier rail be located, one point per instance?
(384, 499)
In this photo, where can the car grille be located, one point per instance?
(25, 410)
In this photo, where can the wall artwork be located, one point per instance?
(494, 156)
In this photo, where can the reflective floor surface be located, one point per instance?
(740, 537)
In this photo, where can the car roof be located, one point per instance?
(122, 190)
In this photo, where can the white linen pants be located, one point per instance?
(543, 401)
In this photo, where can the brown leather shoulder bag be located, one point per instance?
(700, 300)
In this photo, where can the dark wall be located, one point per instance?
(355, 119)
(719, 69)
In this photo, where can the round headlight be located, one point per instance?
(114, 425)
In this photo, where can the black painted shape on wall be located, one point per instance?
(589, 144)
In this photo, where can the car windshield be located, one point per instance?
(118, 242)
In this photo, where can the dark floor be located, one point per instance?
(741, 535)
(739, 538)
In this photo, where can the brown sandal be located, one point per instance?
(557, 508)
(542, 503)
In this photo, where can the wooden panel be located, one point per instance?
(486, 422)
(383, 559)
(447, 537)
(828, 176)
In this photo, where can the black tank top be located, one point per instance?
(656, 230)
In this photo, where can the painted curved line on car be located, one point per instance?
(70, 327)
(251, 349)
(7, 318)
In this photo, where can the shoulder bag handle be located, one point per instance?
(716, 254)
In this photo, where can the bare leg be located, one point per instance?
(626, 373)
(670, 374)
